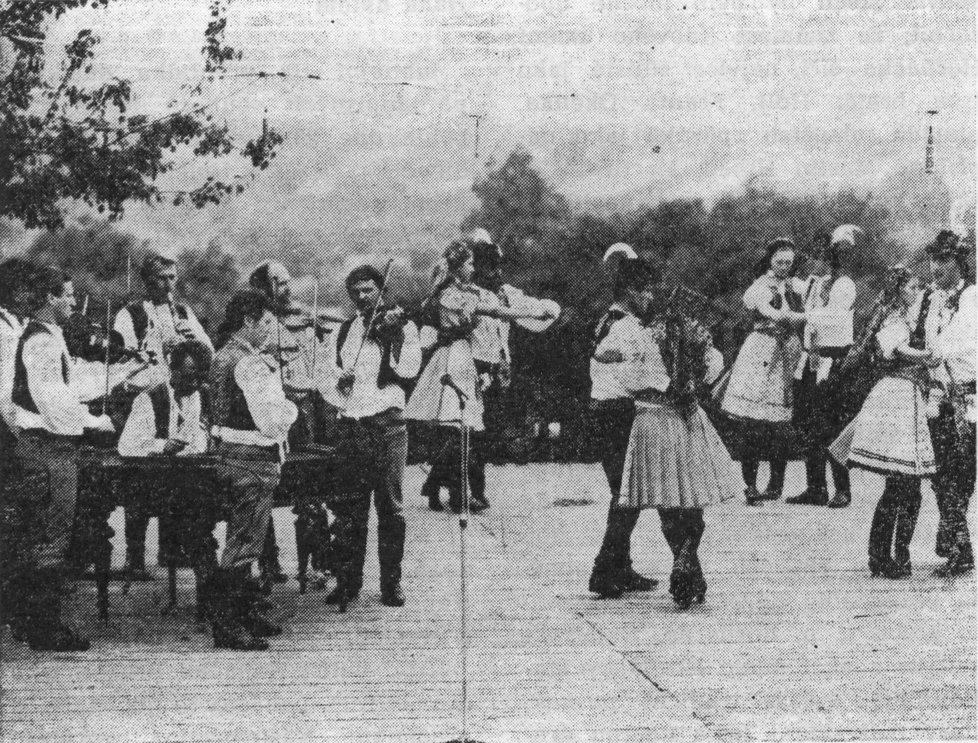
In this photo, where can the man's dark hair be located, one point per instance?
(191, 349)
(151, 262)
(634, 275)
(259, 280)
(15, 275)
(44, 281)
(364, 273)
(244, 303)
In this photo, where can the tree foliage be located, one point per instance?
(70, 139)
(104, 262)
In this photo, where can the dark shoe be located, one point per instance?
(477, 506)
(434, 503)
(809, 497)
(261, 626)
(342, 597)
(607, 584)
(752, 497)
(230, 635)
(771, 495)
(841, 499)
(392, 595)
(273, 573)
(56, 638)
(956, 565)
(637, 582)
(881, 566)
(899, 570)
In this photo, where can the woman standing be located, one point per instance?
(890, 434)
(456, 306)
(675, 462)
(759, 391)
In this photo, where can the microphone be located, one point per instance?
(446, 379)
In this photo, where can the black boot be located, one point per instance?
(432, 491)
(225, 600)
(254, 608)
(45, 631)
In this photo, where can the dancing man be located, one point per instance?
(949, 313)
(612, 409)
(829, 296)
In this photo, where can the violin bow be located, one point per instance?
(315, 328)
(108, 346)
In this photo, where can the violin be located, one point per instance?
(387, 324)
(90, 341)
(297, 317)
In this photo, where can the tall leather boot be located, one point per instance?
(45, 632)
(225, 599)
(254, 608)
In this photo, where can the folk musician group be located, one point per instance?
(896, 398)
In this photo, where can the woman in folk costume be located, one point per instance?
(890, 434)
(676, 461)
(758, 392)
(456, 306)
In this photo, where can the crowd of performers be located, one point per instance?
(898, 400)
(276, 375)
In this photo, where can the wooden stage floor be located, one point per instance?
(795, 641)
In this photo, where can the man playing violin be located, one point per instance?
(376, 354)
(154, 325)
(50, 420)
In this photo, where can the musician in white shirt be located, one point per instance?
(14, 289)
(154, 325)
(374, 357)
(51, 420)
(252, 419)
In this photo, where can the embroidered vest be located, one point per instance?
(140, 318)
(21, 394)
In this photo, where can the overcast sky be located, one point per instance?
(813, 93)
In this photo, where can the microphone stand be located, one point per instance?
(463, 522)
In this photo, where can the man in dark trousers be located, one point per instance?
(168, 421)
(374, 358)
(50, 420)
(252, 418)
(612, 411)
(948, 313)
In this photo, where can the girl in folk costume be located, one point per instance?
(890, 434)
(758, 392)
(676, 461)
(456, 306)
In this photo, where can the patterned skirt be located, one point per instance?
(761, 381)
(433, 402)
(890, 434)
(676, 462)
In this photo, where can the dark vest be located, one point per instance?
(21, 395)
(610, 317)
(159, 397)
(386, 374)
(140, 318)
(228, 404)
